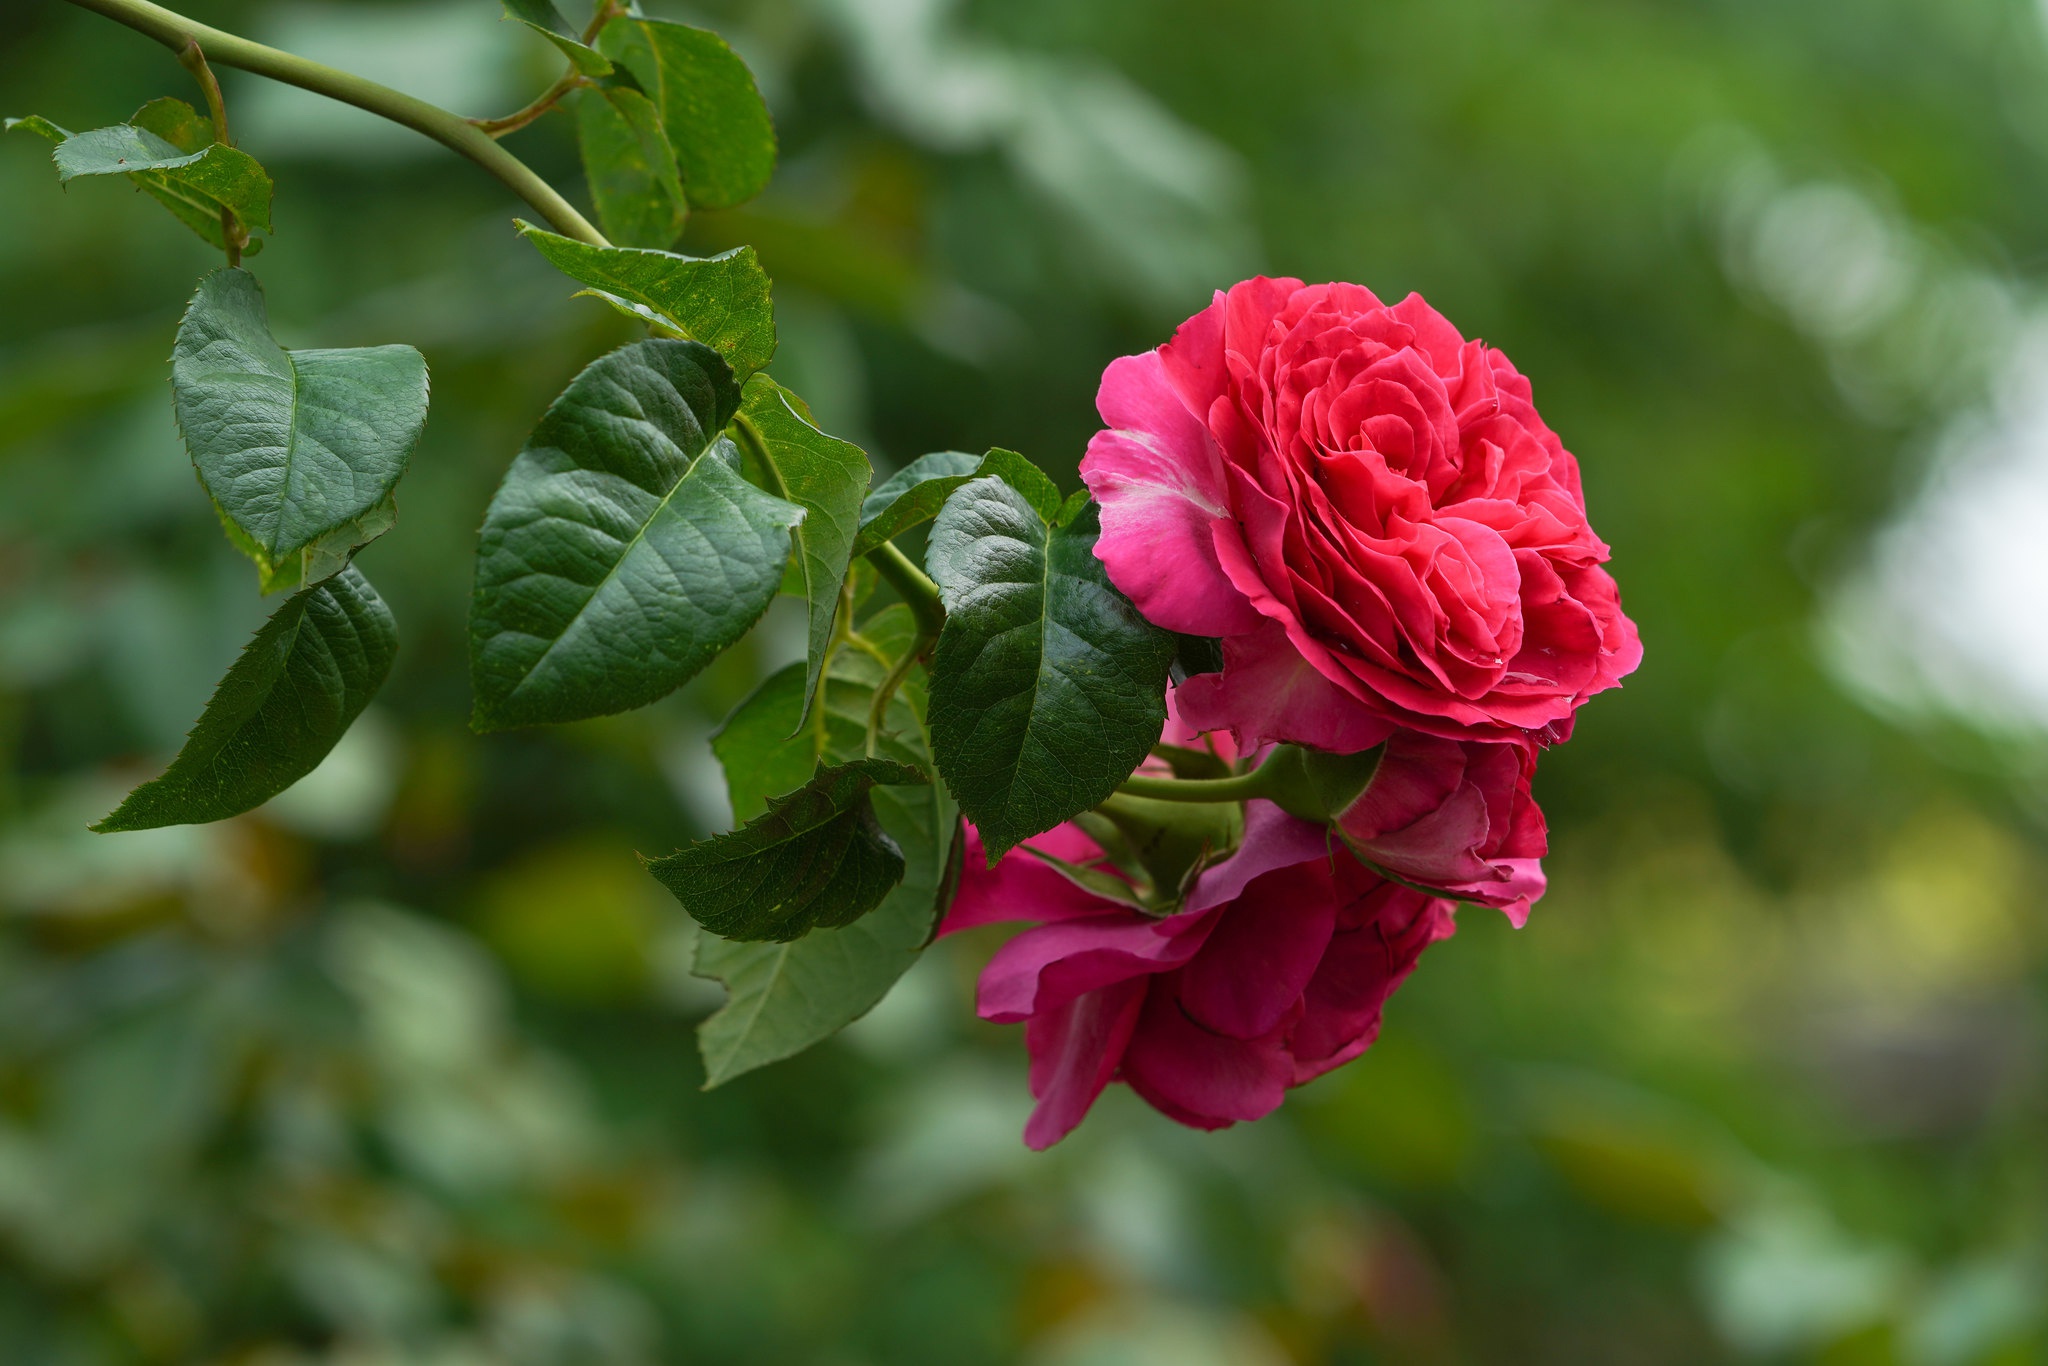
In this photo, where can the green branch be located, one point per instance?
(176, 32)
(918, 592)
(1243, 787)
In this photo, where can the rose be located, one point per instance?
(1367, 510)
(1273, 972)
(1453, 816)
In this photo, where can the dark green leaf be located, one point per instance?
(323, 558)
(816, 859)
(631, 167)
(782, 998)
(295, 689)
(1020, 474)
(825, 476)
(543, 18)
(195, 186)
(715, 117)
(292, 445)
(721, 300)
(623, 550)
(912, 495)
(1048, 688)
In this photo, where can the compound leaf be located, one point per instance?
(623, 551)
(721, 300)
(297, 686)
(292, 445)
(1048, 687)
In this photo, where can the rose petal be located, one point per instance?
(1075, 1051)
(1265, 947)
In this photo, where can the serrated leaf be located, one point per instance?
(815, 859)
(543, 18)
(195, 186)
(291, 445)
(323, 559)
(912, 495)
(828, 478)
(1048, 687)
(623, 550)
(714, 114)
(176, 122)
(37, 124)
(783, 998)
(296, 688)
(915, 493)
(630, 166)
(720, 300)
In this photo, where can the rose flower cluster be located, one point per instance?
(1391, 549)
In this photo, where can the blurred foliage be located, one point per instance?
(398, 1069)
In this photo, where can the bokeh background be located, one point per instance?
(398, 1071)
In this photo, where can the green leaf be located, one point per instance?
(720, 300)
(623, 551)
(825, 476)
(783, 998)
(176, 122)
(631, 167)
(714, 114)
(912, 495)
(322, 559)
(292, 445)
(37, 124)
(282, 706)
(543, 18)
(194, 186)
(816, 859)
(1048, 687)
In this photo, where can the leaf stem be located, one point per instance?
(549, 98)
(918, 592)
(232, 234)
(1242, 787)
(176, 32)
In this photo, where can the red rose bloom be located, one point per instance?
(1367, 510)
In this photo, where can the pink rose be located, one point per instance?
(1367, 510)
(1272, 973)
(1455, 816)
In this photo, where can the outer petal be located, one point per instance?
(1272, 839)
(1200, 1077)
(1264, 949)
(1343, 1001)
(1075, 1050)
(1159, 480)
(1049, 965)
(1020, 887)
(1267, 692)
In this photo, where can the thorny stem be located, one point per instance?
(176, 32)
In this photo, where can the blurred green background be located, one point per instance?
(399, 1069)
